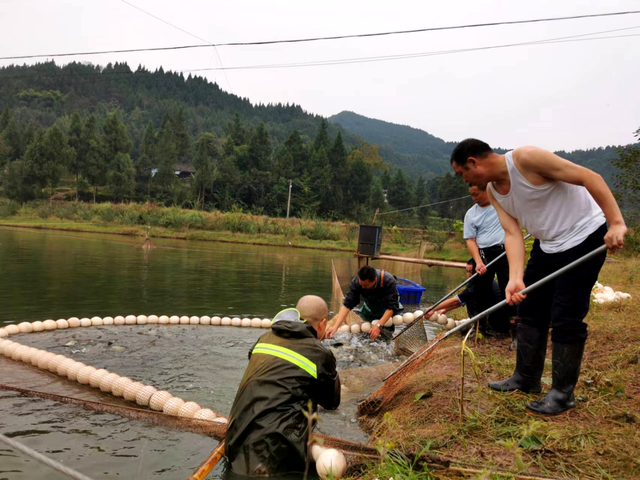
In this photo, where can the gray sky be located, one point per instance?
(558, 96)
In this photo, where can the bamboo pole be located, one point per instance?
(211, 461)
(421, 261)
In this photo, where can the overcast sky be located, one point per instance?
(557, 96)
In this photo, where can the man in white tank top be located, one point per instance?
(565, 207)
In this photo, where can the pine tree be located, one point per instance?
(49, 155)
(321, 141)
(121, 176)
(75, 142)
(181, 135)
(259, 153)
(205, 162)
(115, 136)
(94, 163)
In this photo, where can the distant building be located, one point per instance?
(181, 171)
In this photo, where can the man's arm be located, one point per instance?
(448, 305)
(550, 166)
(514, 245)
(342, 314)
(351, 300)
(472, 246)
(375, 330)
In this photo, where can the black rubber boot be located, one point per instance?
(567, 358)
(532, 348)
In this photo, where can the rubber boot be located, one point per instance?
(513, 329)
(532, 348)
(567, 358)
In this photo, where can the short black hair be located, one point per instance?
(472, 262)
(367, 273)
(471, 147)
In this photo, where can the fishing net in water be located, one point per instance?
(411, 339)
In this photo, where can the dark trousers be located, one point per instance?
(563, 303)
(484, 285)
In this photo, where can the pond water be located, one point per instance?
(60, 275)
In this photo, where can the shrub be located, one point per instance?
(8, 208)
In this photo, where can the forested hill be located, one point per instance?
(420, 153)
(46, 92)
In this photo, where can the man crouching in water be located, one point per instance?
(288, 366)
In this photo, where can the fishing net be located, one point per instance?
(411, 339)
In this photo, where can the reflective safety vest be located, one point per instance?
(288, 355)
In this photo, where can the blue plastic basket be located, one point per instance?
(410, 292)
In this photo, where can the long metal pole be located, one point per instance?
(498, 306)
(289, 200)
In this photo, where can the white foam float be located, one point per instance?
(407, 318)
(173, 405)
(62, 324)
(189, 409)
(12, 329)
(96, 377)
(417, 314)
(74, 322)
(256, 323)
(141, 320)
(163, 320)
(38, 326)
(355, 328)
(397, 320)
(152, 319)
(130, 320)
(194, 320)
(159, 399)
(265, 323)
(144, 395)
(55, 362)
(225, 321)
(106, 384)
(73, 370)
(118, 387)
(184, 320)
(83, 374)
(344, 329)
(131, 391)
(205, 414)
(236, 322)
(331, 464)
(245, 322)
(25, 327)
(365, 327)
(442, 319)
(205, 320)
(174, 320)
(97, 322)
(119, 320)
(216, 321)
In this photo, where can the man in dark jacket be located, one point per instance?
(288, 366)
(379, 291)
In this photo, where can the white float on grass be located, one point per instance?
(331, 464)
(316, 450)
(434, 317)
(442, 319)
(451, 324)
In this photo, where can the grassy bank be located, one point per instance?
(597, 440)
(235, 227)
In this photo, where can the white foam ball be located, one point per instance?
(220, 420)
(12, 329)
(106, 384)
(355, 328)
(434, 317)
(206, 320)
(27, 354)
(316, 450)
(37, 326)
(365, 327)
(184, 320)
(331, 464)
(96, 377)
(189, 409)
(17, 353)
(35, 357)
(451, 323)
(55, 362)
(49, 325)
(225, 321)
(265, 323)
(118, 387)
(63, 368)
(73, 370)
(442, 319)
(152, 319)
(216, 321)
(119, 320)
(174, 320)
(43, 360)
(25, 327)
(194, 320)
(145, 394)
(131, 391)
(236, 322)
(417, 314)
(3, 333)
(141, 320)
(205, 414)
(397, 320)
(172, 406)
(62, 324)
(83, 375)
(159, 399)
(85, 322)
(608, 290)
(256, 323)
(163, 320)
(107, 321)
(344, 329)
(407, 318)
(245, 322)
(130, 320)
(74, 322)
(97, 322)
(8, 347)
(375, 322)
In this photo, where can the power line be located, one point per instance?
(301, 40)
(381, 58)
(188, 33)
